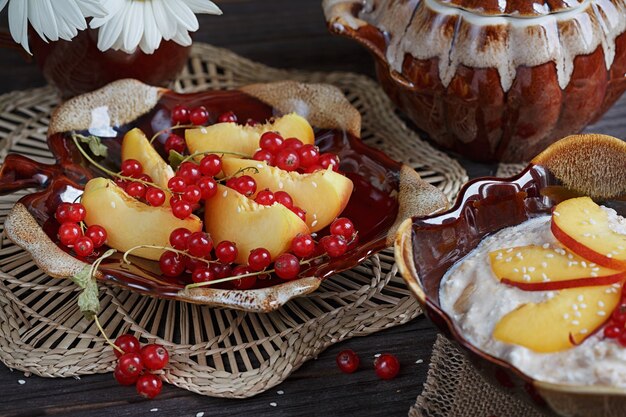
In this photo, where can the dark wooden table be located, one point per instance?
(287, 34)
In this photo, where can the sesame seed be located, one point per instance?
(113, 204)
(574, 306)
(549, 255)
(273, 404)
(544, 264)
(314, 184)
(593, 274)
(615, 285)
(314, 223)
(21, 381)
(314, 216)
(556, 213)
(515, 270)
(601, 313)
(592, 221)
(508, 259)
(519, 255)
(575, 322)
(577, 314)
(238, 209)
(545, 278)
(609, 255)
(524, 269)
(587, 234)
(259, 166)
(600, 303)
(582, 305)
(526, 277)
(580, 297)
(570, 256)
(280, 392)
(584, 264)
(203, 130)
(225, 193)
(550, 294)
(281, 185)
(545, 245)
(509, 250)
(594, 269)
(566, 316)
(583, 331)
(531, 269)
(592, 264)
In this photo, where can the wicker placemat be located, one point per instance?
(215, 352)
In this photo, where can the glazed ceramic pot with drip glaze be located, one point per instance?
(494, 80)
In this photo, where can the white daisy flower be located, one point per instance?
(144, 23)
(52, 20)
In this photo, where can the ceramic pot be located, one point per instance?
(493, 80)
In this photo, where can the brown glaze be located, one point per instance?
(488, 87)
(78, 66)
(373, 206)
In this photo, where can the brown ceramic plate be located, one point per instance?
(427, 247)
(385, 193)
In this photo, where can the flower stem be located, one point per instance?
(113, 345)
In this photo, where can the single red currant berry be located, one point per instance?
(181, 209)
(287, 266)
(288, 160)
(131, 168)
(179, 238)
(180, 115)
(329, 160)
(221, 270)
(136, 189)
(190, 172)
(619, 315)
(283, 198)
(226, 251)
(121, 183)
(309, 155)
(155, 197)
(149, 386)
(386, 366)
(299, 212)
(202, 274)
(83, 246)
(348, 361)
(77, 212)
(128, 343)
(154, 357)
(303, 245)
(264, 155)
(244, 283)
(62, 213)
(145, 178)
(199, 116)
(130, 364)
(246, 185)
(259, 259)
(228, 117)
(191, 264)
(172, 264)
(176, 184)
(622, 339)
(342, 227)
(211, 165)
(265, 197)
(271, 141)
(97, 234)
(292, 143)
(69, 233)
(313, 168)
(232, 183)
(124, 379)
(612, 331)
(208, 187)
(174, 143)
(334, 246)
(199, 244)
(192, 194)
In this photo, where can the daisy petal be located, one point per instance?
(92, 8)
(151, 36)
(112, 7)
(134, 26)
(3, 3)
(18, 23)
(43, 19)
(162, 19)
(182, 14)
(182, 37)
(203, 6)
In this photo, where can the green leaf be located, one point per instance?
(95, 145)
(89, 300)
(175, 159)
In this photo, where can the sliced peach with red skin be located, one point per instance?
(323, 194)
(561, 322)
(244, 139)
(583, 227)
(232, 216)
(548, 268)
(136, 145)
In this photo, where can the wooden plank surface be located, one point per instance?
(286, 34)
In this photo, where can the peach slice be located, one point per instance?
(561, 322)
(583, 226)
(231, 137)
(232, 216)
(136, 146)
(128, 221)
(547, 268)
(322, 194)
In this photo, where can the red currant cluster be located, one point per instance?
(386, 365)
(71, 217)
(616, 326)
(132, 169)
(133, 360)
(292, 155)
(193, 183)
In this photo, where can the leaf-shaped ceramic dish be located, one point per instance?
(385, 193)
(426, 248)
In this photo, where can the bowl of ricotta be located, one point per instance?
(527, 273)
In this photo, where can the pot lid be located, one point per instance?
(521, 8)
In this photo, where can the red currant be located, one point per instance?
(199, 244)
(293, 143)
(619, 315)
(387, 366)
(191, 264)
(622, 339)
(155, 197)
(287, 266)
(271, 141)
(69, 233)
(128, 343)
(62, 213)
(303, 246)
(180, 115)
(181, 208)
(612, 331)
(342, 227)
(283, 198)
(264, 155)
(228, 117)
(97, 234)
(124, 379)
(192, 194)
(244, 283)
(208, 187)
(299, 212)
(309, 155)
(226, 252)
(130, 364)
(121, 183)
(145, 178)
(77, 212)
(172, 264)
(190, 172)
(83, 246)
(288, 159)
(177, 184)
(136, 189)
(131, 168)
(149, 385)
(265, 197)
(211, 165)
(199, 116)
(259, 259)
(221, 270)
(334, 245)
(246, 185)
(179, 238)
(348, 361)
(154, 357)
(202, 274)
(232, 183)
(174, 143)
(329, 160)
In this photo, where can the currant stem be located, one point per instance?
(239, 171)
(167, 129)
(168, 248)
(196, 154)
(113, 345)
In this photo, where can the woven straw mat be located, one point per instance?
(216, 352)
